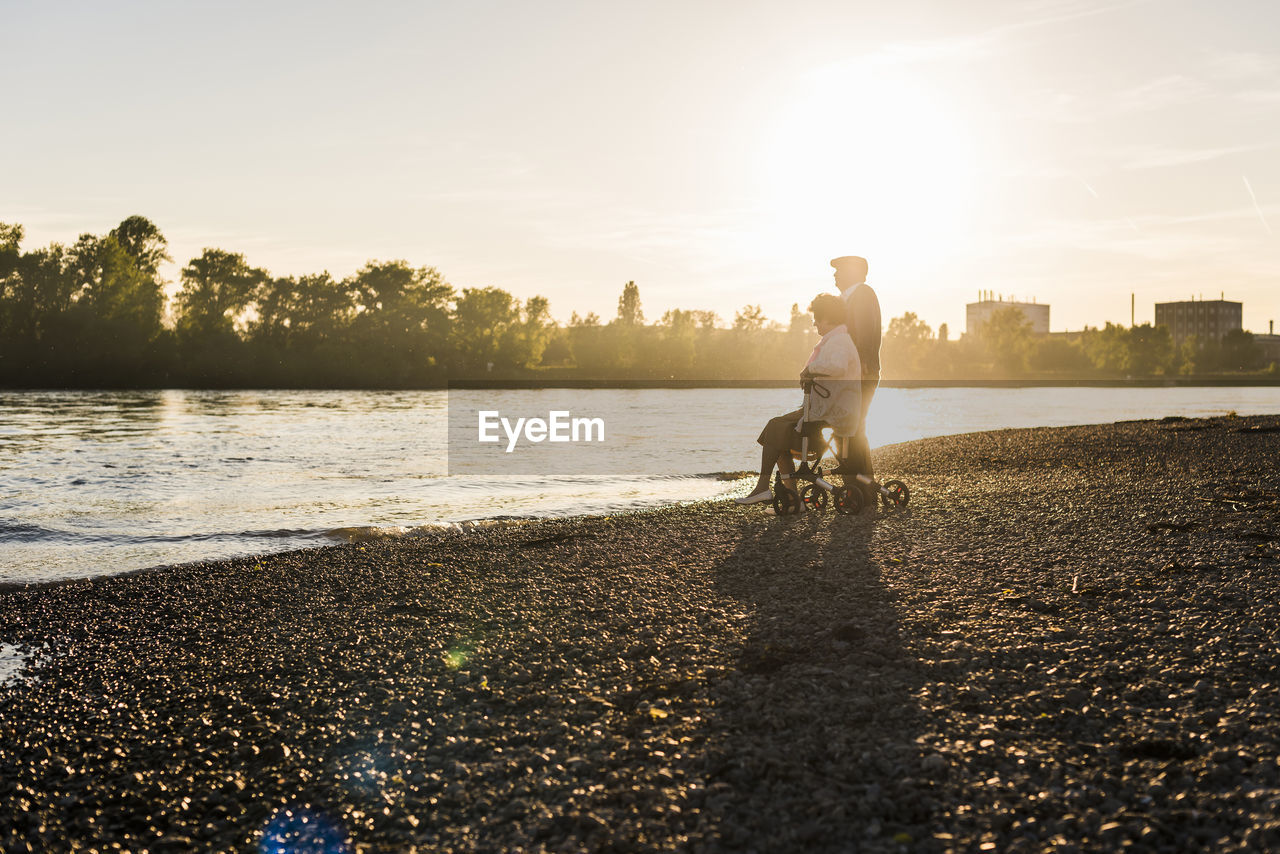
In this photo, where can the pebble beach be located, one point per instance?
(1067, 641)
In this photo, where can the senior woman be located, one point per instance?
(836, 360)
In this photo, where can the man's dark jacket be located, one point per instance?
(864, 328)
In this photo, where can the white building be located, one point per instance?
(976, 314)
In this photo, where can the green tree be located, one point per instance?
(909, 328)
(526, 339)
(1107, 348)
(1239, 351)
(36, 293)
(217, 296)
(40, 342)
(304, 310)
(559, 351)
(750, 319)
(588, 345)
(1150, 350)
(799, 321)
(629, 311)
(217, 289)
(276, 301)
(1056, 355)
(10, 241)
(482, 319)
(677, 352)
(800, 338)
(402, 298)
(40, 291)
(625, 335)
(1007, 334)
(1143, 350)
(143, 242)
(401, 327)
(13, 313)
(119, 291)
(322, 307)
(113, 314)
(906, 345)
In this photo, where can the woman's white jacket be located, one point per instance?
(838, 372)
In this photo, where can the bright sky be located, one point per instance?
(718, 153)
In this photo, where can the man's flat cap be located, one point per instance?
(850, 262)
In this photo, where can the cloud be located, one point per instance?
(1170, 91)
(697, 239)
(984, 43)
(1161, 239)
(1132, 158)
(956, 48)
(1258, 97)
(1043, 13)
(1158, 157)
(1251, 78)
(1243, 66)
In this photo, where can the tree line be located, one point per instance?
(95, 314)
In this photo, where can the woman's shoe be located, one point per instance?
(755, 497)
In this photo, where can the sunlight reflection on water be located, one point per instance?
(15, 663)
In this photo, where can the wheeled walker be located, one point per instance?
(818, 491)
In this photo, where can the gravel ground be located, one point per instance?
(1068, 642)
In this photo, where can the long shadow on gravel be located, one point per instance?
(677, 680)
(816, 742)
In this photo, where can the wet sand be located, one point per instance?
(1067, 642)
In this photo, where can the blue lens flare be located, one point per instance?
(299, 830)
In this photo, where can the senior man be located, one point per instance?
(863, 312)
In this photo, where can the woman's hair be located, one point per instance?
(829, 308)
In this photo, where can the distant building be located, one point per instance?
(976, 314)
(1209, 320)
(1270, 347)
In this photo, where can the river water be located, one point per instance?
(96, 483)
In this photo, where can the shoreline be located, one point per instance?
(431, 531)
(1067, 640)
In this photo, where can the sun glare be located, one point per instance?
(865, 160)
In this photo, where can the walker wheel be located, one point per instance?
(785, 502)
(848, 501)
(898, 489)
(814, 497)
